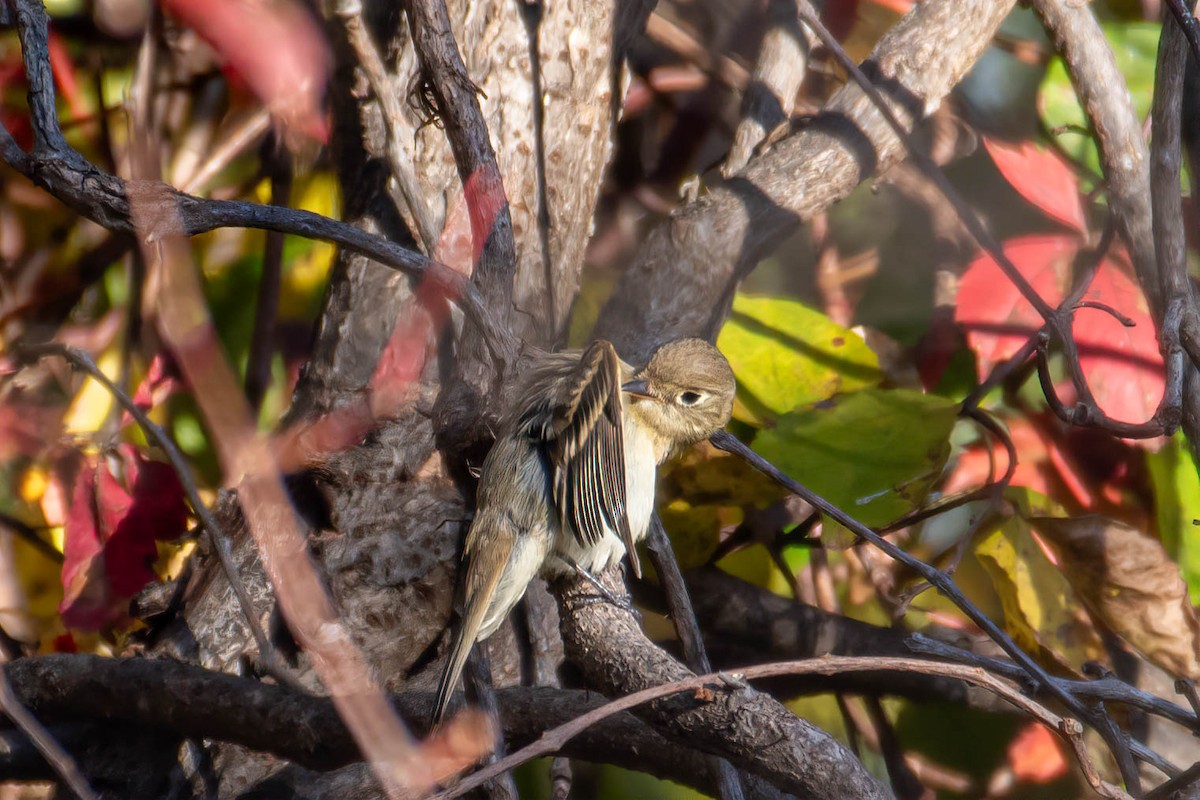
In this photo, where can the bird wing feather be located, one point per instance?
(581, 432)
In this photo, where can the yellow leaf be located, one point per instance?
(93, 402)
(34, 482)
(1039, 606)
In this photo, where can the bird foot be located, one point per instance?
(605, 594)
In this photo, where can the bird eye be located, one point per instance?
(689, 398)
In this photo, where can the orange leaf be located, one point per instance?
(1036, 755)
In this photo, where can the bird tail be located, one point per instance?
(468, 632)
(463, 641)
(483, 576)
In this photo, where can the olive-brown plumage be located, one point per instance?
(570, 480)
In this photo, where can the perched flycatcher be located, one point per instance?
(569, 483)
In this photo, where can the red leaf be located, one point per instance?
(27, 428)
(998, 320)
(84, 603)
(64, 643)
(114, 521)
(839, 17)
(276, 47)
(1042, 178)
(12, 83)
(1122, 364)
(933, 353)
(1036, 756)
(971, 467)
(161, 381)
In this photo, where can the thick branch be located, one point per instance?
(457, 419)
(771, 96)
(1181, 320)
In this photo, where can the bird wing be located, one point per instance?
(582, 435)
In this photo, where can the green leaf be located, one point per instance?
(1135, 48)
(874, 453)
(1177, 504)
(786, 355)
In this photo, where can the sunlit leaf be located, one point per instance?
(873, 453)
(1040, 610)
(1036, 755)
(786, 355)
(306, 262)
(120, 506)
(1042, 177)
(93, 402)
(1122, 363)
(1176, 484)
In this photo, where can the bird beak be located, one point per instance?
(637, 388)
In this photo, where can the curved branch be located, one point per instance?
(710, 687)
(1179, 296)
(1097, 717)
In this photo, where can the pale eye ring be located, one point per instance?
(690, 398)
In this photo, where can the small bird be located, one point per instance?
(569, 483)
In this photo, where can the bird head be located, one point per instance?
(684, 394)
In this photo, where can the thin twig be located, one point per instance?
(104, 199)
(266, 304)
(399, 132)
(532, 12)
(1101, 690)
(29, 534)
(246, 135)
(1087, 412)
